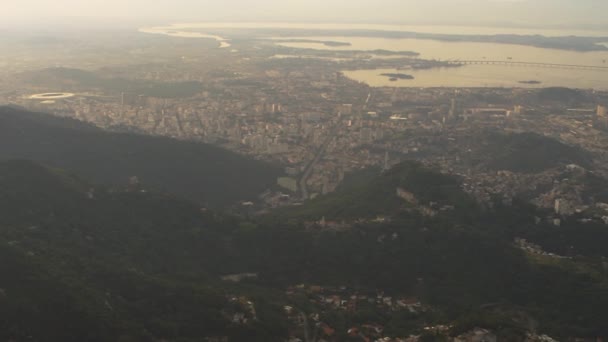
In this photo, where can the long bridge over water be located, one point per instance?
(529, 64)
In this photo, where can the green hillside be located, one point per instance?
(529, 152)
(373, 196)
(86, 263)
(197, 171)
(81, 263)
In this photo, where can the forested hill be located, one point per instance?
(528, 153)
(83, 263)
(374, 193)
(86, 263)
(197, 171)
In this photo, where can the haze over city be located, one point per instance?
(527, 13)
(303, 171)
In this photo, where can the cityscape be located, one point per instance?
(318, 124)
(304, 181)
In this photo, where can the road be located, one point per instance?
(318, 156)
(332, 134)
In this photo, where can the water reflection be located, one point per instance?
(486, 76)
(173, 32)
(440, 50)
(475, 75)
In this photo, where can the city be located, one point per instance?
(319, 125)
(423, 185)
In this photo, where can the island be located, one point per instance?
(394, 77)
(335, 44)
(530, 82)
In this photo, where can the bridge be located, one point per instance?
(528, 64)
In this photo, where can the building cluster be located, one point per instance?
(320, 138)
(321, 126)
(240, 310)
(535, 249)
(330, 299)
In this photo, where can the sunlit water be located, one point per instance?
(485, 76)
(440, 50)
(184, 34)
(474, 75)
(466, 76)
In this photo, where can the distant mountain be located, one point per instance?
(198, 171)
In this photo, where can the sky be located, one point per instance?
(528, 13)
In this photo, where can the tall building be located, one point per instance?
(386, 161)
(601, 117)
(455, 110)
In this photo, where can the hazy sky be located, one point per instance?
(533, 13)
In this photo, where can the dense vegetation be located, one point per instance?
(101, 264)
(85, 263)
(371, 195)
(200, 172)
(529, 153)
(561, 95)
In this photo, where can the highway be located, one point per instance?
(318, 156)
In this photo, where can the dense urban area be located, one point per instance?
(304, 115)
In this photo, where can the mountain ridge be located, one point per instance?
(194, 170)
